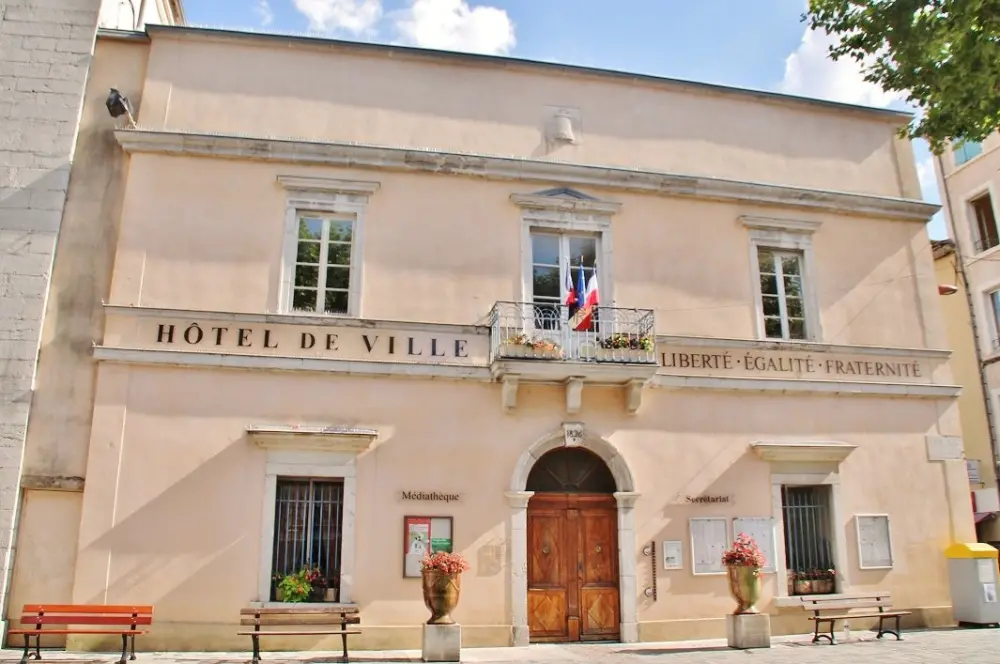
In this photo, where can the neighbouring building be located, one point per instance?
(341, 326)
(969, 180)
(45, 51)
(972, 405)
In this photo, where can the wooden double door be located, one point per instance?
(573, 567)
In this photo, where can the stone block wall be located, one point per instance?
(45, 51)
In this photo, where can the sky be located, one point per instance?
(762, 44)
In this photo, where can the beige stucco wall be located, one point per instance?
(187, 501)
(687, 260)
(965, 370)
(55, 459)
(285, 87)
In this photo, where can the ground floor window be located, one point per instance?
(308, 526)
(808, 539)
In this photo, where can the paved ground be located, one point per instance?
(979, 646)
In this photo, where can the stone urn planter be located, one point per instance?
(744, 562)
(442, 584)
(441, 592)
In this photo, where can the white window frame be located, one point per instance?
(564, 237)
(970, 219)
(785, 235)
(564, 215)
(315, 465)
(857, 538)
(983, 310)
(328, 198)
(831, 478)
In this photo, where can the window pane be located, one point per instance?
(308, 517)
(771, 307)
(307, 275)
(986, 224)
(765, 261)
(340, 231)
(585, 247)
(308, 252)
(304, 300)
(796, 328)
(310, 229)
(336, 302)
(338, 277)
(793, 306)
(544, 249)
(995, 301)
(772, 328)
(790, 264)
(546, 282)
(793, 286)
(768, 284)
(338, 254)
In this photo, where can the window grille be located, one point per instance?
(308, 518)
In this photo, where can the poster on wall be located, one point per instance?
(761, 529)
(709, 540)
(422, 536)
(874, 541)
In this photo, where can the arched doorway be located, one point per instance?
(572, 542)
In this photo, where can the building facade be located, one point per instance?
(969, 180)
(965, 369)
(348, 320)
(45, 51)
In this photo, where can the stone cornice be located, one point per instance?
(352, 155)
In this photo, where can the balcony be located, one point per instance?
(543, 343)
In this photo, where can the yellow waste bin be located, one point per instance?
(972, 572)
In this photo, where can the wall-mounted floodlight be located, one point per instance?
(119, 105)
(947, 289)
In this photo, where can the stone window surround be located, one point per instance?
(970, 221)
(560, 214)
(983, 310)
(572, 434)
(788, 235)
(312, 464)
(324, 196)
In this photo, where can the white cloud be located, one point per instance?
(351, 16)
(810, 72)
(263, 10)
(454, 25)
(928, 178)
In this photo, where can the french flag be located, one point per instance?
(572, 301)
(584, 318)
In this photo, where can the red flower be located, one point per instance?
(445, 562)
(744, 553)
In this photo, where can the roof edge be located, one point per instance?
(899, 117)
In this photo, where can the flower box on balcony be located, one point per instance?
(524, 347)
(630, 355)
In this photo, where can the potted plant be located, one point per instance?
(442, 574)
(294, 587)
(318, 583)
(629, 347)
(522, 345)
(744, 561)
(813, 581)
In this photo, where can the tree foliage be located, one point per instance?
(942, 56)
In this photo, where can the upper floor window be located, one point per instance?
(563, 274)
(994, 301)
(984, 223)
(966, 150)
(322, 272)
(781, 293)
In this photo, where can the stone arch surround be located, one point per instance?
(572, 435)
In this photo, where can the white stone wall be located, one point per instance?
(45, 52)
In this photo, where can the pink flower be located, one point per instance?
(744, 553)
(445, 562)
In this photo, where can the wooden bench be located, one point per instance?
(312, 621)
(123, 620)
(845, 607)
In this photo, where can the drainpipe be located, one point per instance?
(960, 265)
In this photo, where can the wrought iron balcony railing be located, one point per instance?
(547, 331)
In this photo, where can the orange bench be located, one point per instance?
(123, 620)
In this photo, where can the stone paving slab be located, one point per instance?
(966, 646)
